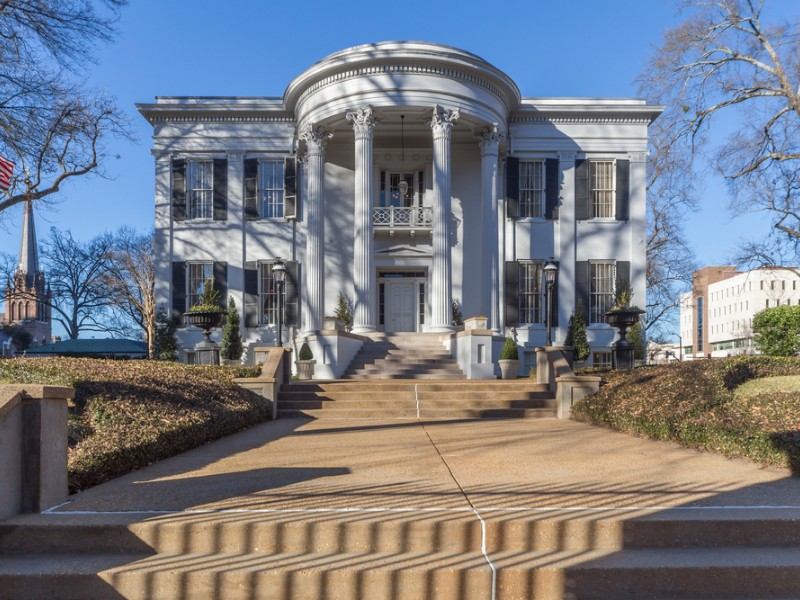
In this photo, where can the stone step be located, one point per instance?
(436, 414)
(404, 375)
(348, 413)
(478, 386)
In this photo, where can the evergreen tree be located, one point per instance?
(636, 337)
(165, 343)
(576, 334)
(344, 311)
(231, 348)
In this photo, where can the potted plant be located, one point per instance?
(207, 313)
(621, 316)
(509, 360)
(305, 362)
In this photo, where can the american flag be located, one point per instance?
(6, 170)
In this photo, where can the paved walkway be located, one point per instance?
(537, 464)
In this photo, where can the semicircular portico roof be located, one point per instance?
(401, 72)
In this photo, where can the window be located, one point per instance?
(200, 189)
(602, 191)
(268, 296)
(531, 189)
(390, 194)
(601, 293)
(530, 292)
(601, 359)
(270, 189)
(700, 326)
(199, 275)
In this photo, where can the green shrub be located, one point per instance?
(129, 414)
(165, 342)
(305, 353)
(209, 299)
(231, 347)
(576, 334)
(777, 330)
(509, 350)
(344, 311)
(699, 404)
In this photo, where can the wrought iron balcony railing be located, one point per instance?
(400, 217)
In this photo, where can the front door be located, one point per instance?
(401, 306)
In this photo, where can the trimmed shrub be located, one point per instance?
(305, 353)
(777, 330)
(509, 350)
(576, 334)
(231, 347)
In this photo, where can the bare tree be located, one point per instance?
(52, 126)
(726, 60)
(76, 274)
(130, 279)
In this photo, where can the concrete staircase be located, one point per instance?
(403, 356)
(411, 399)
(432, 555)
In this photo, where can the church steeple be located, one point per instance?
(28, 250)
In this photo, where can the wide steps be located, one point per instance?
(438, 554)
(424, 399)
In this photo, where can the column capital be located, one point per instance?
(363, 120)
(443, 120)
(489, 139)
(316, 138)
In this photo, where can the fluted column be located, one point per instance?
(315, 138)
(363, 121)
(441, 275)
(489, 141)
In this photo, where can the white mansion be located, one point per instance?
(406, 176)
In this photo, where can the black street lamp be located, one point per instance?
(279, 275)
(550, 273)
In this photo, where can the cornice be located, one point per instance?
(218, 119)
(581, 120)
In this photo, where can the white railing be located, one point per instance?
(390, 217)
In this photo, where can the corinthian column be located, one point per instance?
(315, 138)
(363, 122)
(441, 272)
(489, 141)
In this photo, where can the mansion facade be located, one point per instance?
(409, 177)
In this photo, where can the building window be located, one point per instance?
(421, 302)
(270, 189)
(200, 189)
(199, 275)
(531, 189)
(601, 294)
(602, 189)
(268, 295)
(601, 359)
(700, 325)
(530, 292)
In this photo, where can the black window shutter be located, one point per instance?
(290, 188)
(251, 308)
(582, 286)
(220, 189)
(623, 274)
(512, 187)
(552, 188)
(221, 282)
(292, 295)
(179, 189)
(512, 293)
(178, 291)
(582, 190)
(623, 190)
(251, 189)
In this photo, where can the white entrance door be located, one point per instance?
(401, 306)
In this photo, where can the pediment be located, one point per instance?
(405, 251)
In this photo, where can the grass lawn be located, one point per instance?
(127, 414)
(745, 407)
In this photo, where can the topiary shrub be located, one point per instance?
(231, 347)
(509, 350)
(576, 334)
(305, 353)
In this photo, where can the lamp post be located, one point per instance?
(279, 275)
(550, 273)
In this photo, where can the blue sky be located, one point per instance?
(591, 48)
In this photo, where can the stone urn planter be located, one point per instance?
(509, 369)
(206, 351)
(305, 363)
(622, 319)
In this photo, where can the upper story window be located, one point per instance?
(200, 189)
(531, 189)
(270, 190)
(602, 189)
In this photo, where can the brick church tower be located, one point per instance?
(27, 294)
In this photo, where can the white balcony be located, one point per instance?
(400, 218)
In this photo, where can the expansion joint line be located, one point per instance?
(484, 550)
